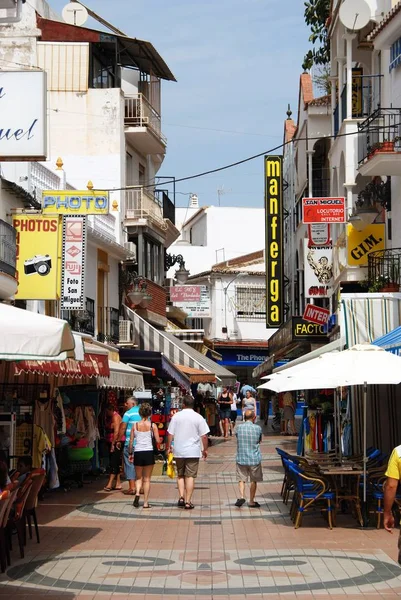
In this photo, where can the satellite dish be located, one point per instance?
(354, 14)
(75, 14)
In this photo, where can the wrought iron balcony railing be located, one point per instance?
(384, 270)
(366, 98)
(381, 131)
(8, 248)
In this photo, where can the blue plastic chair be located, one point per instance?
(309, 491)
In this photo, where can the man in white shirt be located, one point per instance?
(189, 431)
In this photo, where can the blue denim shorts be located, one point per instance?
(128, 466)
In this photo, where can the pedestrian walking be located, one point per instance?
(393, 475)
(249, 458)
(224, 401)
(143, 432)
(130, 417)
(189, 432)
(248, 403)
(289, 414)
(233, 412)
(113, 422)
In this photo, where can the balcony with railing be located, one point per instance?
(168, 206)
(142, 207)
(366, 98)
(384, 270)
(109, 320)
(8, 258)
(379, 143)
(143, 125)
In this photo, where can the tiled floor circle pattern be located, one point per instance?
(180, 573)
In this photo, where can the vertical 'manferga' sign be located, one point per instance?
(274, 241)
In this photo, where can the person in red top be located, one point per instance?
(112, 428)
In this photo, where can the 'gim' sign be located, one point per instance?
(274, 240)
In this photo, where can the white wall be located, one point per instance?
(238, 231)
(113, 283)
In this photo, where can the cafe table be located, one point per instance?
(350, 492)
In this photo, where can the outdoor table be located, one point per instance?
(351, 493)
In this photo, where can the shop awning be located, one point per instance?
(28, 335)
(178, 352)
(391, 341)
(122, 377)
(156, 361)
(264, 368)
(93, 365)
(196, 375)
(370, 317)
(335, 345)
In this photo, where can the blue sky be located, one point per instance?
(237, 64)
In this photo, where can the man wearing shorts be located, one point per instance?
(189, 431)
(130, 417)
(249, 458)
(393, 475)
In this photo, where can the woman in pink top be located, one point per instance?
(112, 429)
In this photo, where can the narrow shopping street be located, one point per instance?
(97, 545)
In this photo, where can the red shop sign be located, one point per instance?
(316, 314)
(323, 210)
(94, 365)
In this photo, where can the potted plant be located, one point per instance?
(393, 279)
(387, 146)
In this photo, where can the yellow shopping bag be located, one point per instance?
(170, 467)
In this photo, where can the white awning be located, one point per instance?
(336, 345)
(123, 377)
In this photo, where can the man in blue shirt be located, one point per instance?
(130, 417)
(249, 458)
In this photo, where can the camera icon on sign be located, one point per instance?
(40, 264)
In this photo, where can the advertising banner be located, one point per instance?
(274, 250)
(197, 307)
(316, 314)
(319, 234)
(71, 202)
(318, 271)
(23, 122)
(37, 256)
(73, 263)
(323, 210)
(307, 331)
(360, 243)
(185, 293)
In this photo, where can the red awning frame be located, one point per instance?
(94, 365)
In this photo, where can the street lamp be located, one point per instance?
(225, 290)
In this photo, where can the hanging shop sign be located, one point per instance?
(316, 314)
(318, 271)
(357, 88)
(185, 293)
(244, 357)
(323, 210)
(71, 202)
(73, 263)
(195, 301)
(307, 331)
(361, 243)
(23, 119)
(274, 251)
(319, 234)
(37, 256)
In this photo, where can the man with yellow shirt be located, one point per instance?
(393, 475)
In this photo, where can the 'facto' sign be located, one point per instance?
(323, 210)
(23, 119)
(71, 202)
(274, 241)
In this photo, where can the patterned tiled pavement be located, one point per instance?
(96, 545)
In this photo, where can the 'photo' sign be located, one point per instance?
(274, 251)
(73, 263)
(323, 210)
(23, 119)
(67, 202)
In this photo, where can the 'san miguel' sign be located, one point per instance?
(274, 241)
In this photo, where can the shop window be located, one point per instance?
(152, 261)
(250, 303)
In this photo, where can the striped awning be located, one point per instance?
(367, 318)
(149, 338)
(391, 341)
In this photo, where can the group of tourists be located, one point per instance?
(135, 439)
(229, 404)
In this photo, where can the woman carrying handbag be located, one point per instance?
(147, 440)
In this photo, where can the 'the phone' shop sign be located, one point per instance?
(23, 120)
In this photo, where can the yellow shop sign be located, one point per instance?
(71, 202)
(361, 243)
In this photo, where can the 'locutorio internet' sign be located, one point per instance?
(23, 119)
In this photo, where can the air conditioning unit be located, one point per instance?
(131, 250)
(11, 11)
(126, 332)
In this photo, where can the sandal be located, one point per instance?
(240, 502)
(129, 492)
(136, 501)
(108, 489)
(118, 489)
(181, 502)
(148, 506)
(254, 505)
(189, 506)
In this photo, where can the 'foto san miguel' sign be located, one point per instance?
(73, 263)
(323, 210)
(274, 241)
(316, 314)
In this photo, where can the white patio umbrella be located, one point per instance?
(30, 336)
(362, 364)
